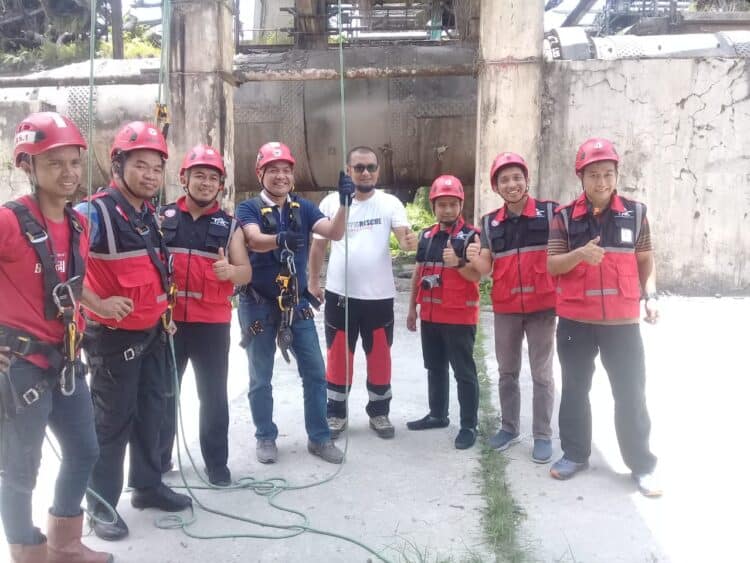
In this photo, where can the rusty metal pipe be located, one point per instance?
(242, 76)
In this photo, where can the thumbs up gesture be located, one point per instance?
(450, 258)
(592, 253)
(222, 268)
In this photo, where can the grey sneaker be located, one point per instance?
(503, 440)
(565, 468)
(265, 451)
(648, 484)
(327, 451)
(336, 425)
(542, 451)
(382, 426)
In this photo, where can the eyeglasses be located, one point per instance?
(359, 168)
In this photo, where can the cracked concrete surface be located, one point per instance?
(681, 129)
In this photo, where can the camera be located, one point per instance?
(431, 282)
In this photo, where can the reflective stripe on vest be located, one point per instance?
(611, 289)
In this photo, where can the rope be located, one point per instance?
(269, 488)
(90, 136)
(342, 108)
(163, 91)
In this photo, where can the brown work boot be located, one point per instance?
(382, 426)
(64, 542)
(20, 553)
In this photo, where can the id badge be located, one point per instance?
(626, 236)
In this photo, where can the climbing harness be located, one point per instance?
(288, 301)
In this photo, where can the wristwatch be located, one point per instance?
(649, 296)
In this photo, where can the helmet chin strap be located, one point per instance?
(195, 201)
(121, 158)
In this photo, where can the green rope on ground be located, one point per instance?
(269, 488)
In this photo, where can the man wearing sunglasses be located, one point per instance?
(371, 289)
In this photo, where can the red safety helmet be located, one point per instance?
(272, 152)
(139, 135)
(203, 155)
(507, 159)
(40, 132)
(446, 185)
(595, 150)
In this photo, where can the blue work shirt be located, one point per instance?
(266, 265)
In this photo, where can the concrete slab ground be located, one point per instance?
(414, 492)
(697, 386)
(417, 490)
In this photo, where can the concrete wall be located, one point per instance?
(682, 131)
(13, 182)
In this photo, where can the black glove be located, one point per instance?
(346, 189)
(290, 240)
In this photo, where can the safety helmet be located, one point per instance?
(272, 152)
(40, 132)
(139, 135)
(595, 150)
(507, 159)
(202, 155)
(446, 185)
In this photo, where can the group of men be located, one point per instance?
(588, 263)
(147, 278)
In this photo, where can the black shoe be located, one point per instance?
(166, 467)
(466, 438)
(219, 476)
(428, 422)
(161, 497)
(108, 530)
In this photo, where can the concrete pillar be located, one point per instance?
(201, 100)
(509, 90)
(310, 21)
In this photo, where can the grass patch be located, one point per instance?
(502, 515)
(409, 552)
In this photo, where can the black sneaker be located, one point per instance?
(466, 438)
(160, 497)
(106, 529)
(219, 476)
(428, 422)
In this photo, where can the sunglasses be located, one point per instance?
(359, 168)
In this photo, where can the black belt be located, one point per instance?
(24, 344)
(132, 352)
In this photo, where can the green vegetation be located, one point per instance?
(502, 515)
(49, 55)
(136, 46)
(419, 214)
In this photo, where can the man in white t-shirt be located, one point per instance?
(371, 289)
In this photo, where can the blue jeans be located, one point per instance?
(261, 350)
(71, 419)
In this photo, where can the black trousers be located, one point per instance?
(128, 401)
(621, 349)
(444, 344)
(206, 345)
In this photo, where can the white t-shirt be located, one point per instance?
(369, 229)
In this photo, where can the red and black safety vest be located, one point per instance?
(454, 299)
(30, 320)
(129, 259)
(520, 281)
(612, 289)
(194, 246)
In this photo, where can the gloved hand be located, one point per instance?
(346, 189)
(290, 240)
